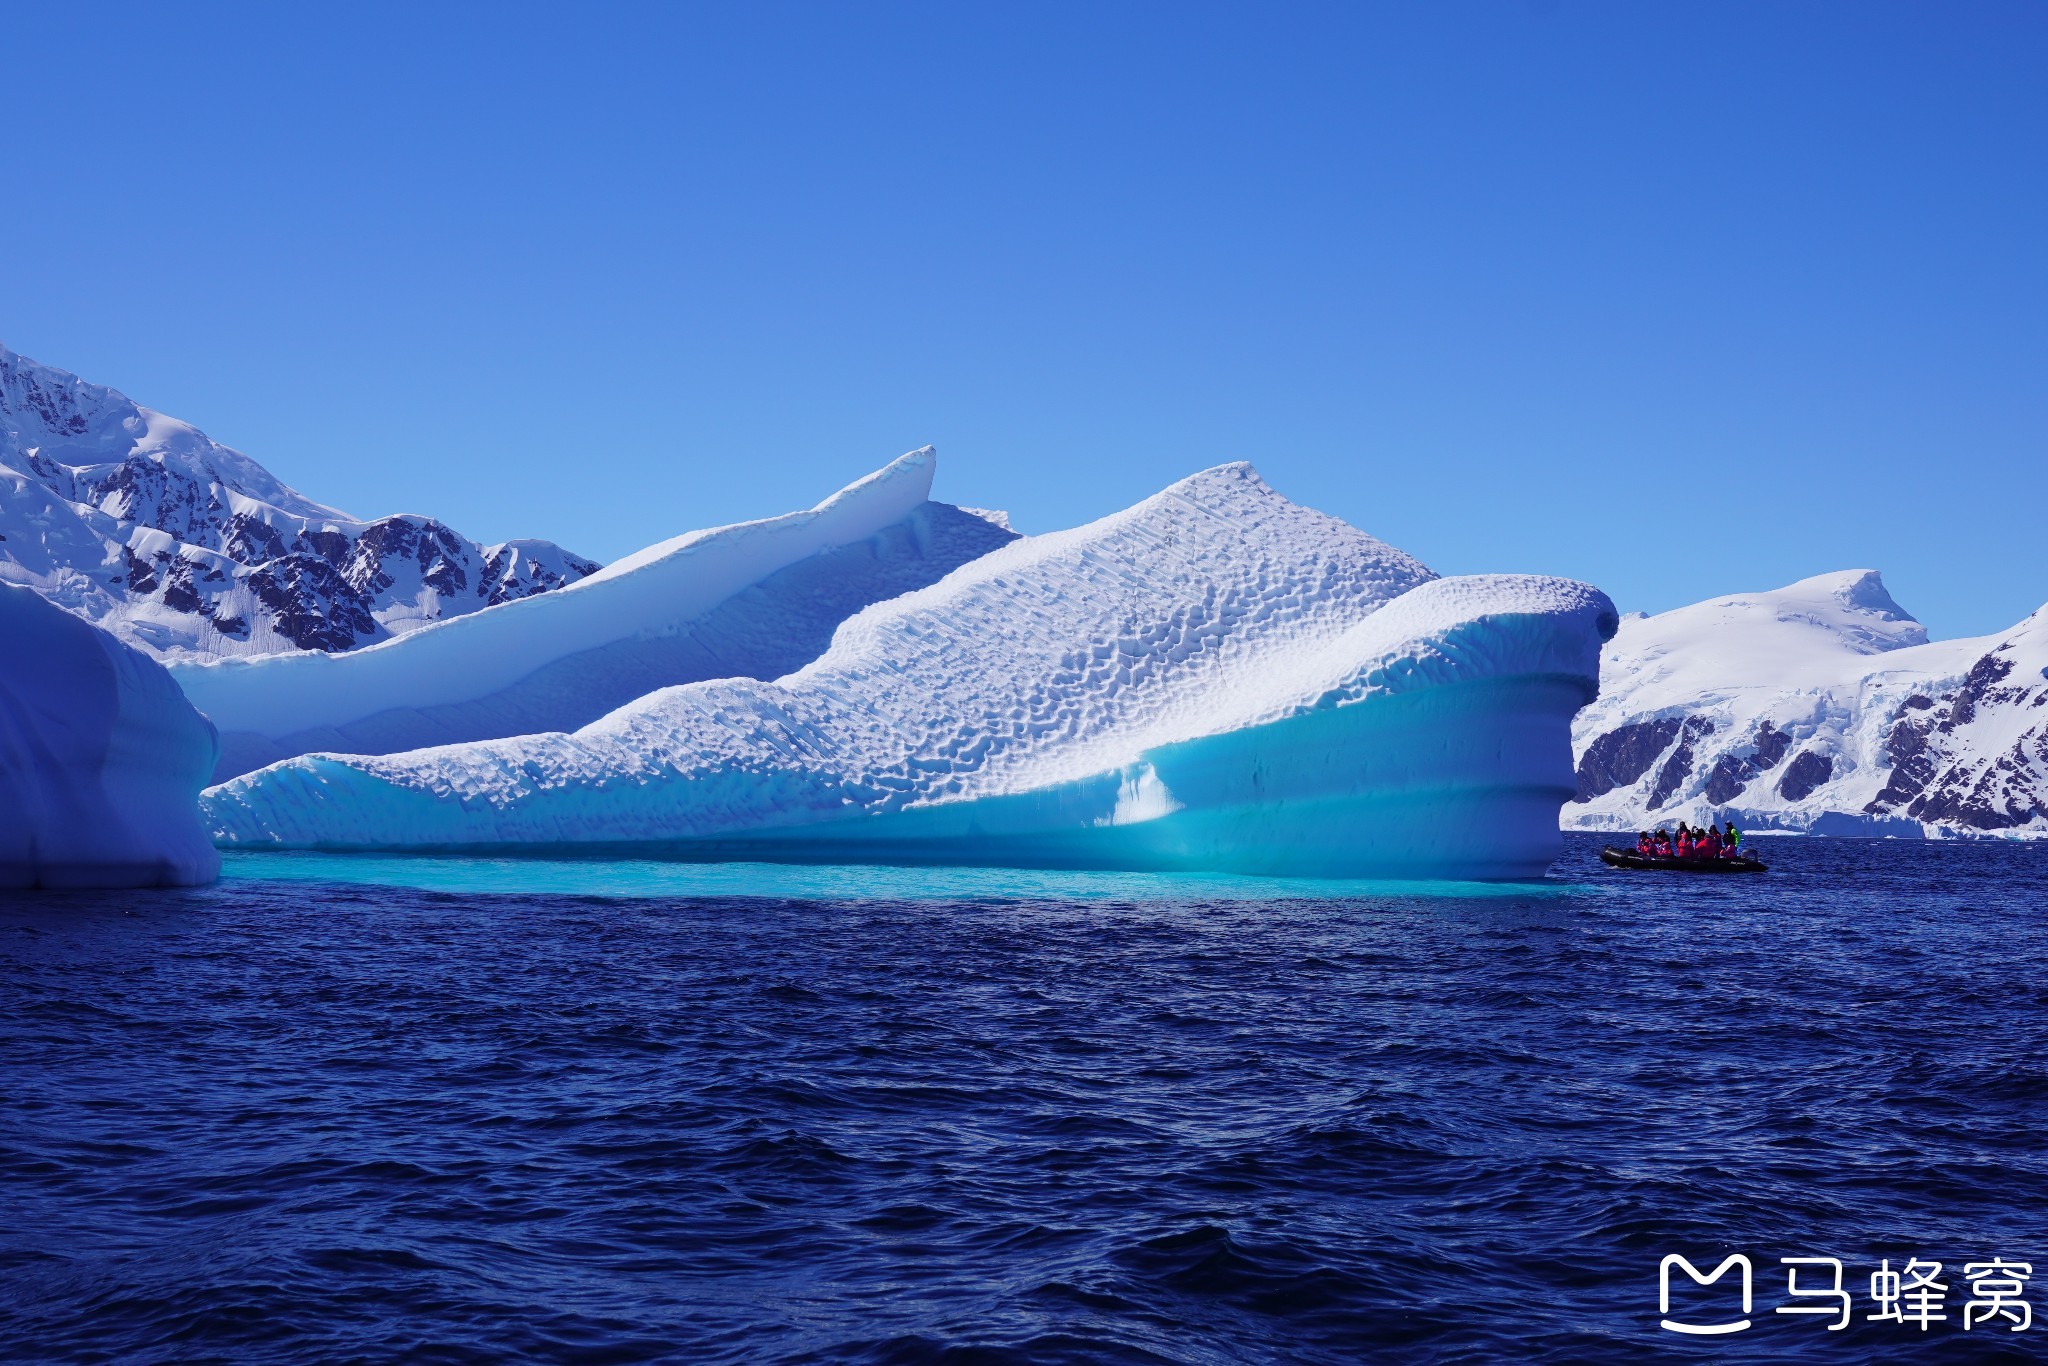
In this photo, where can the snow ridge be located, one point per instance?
(188, 549)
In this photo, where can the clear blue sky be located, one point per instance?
(1680, 298)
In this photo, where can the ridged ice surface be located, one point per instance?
(1076, 697)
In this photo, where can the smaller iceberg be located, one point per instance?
(1215, 679)
(753, 600)
(101, 758)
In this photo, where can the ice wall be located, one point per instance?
(756, 600)
(101, 758)
(1215, 678)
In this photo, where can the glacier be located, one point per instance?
(757, 600)
(101, 759)
(1214, 679)
(186, 548)
(1822, 707)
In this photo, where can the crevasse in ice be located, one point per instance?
(1215, 678)
(101, 758)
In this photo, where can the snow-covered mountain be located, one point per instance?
(1215, 678)
(1819, 707)
(149, 528)
(755, 600)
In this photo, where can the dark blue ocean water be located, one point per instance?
(878, 1117)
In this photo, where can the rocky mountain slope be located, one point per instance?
(190, 550)
(1820, 707)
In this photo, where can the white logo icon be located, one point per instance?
(1701, 1329)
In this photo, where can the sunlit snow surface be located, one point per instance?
(1215, 679)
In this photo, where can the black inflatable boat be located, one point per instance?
(1629, 858)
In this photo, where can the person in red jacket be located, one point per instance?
(1644, 844)
(1662, 845)
(1682, 846)
(1710, 844)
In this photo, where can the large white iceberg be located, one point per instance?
(755, 600)
(101, 758)
(1215, 678)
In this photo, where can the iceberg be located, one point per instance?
(1215, 679)
(101, 758)
(755, 600)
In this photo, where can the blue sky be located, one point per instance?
(1678, 298)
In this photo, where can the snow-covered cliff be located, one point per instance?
(756, 600)
(1819, 707)
(101, 759)
(1215, 678)
(177, 544)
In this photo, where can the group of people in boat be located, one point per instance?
(1691, 842)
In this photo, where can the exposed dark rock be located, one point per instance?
(1678, 767)
(1991, 800)
(331, 546)
(1911, 753)
(1623, 755)
(1978, 686)
(141, 573)
(312, 605)
(445, 578)
(1907, 741)
(1730, 775)
(178, 590)
(502, 580)
(1804, 774)
(1733, 773)
(1930, 783)
(251, 540)
(1772, 745)
(1999, 794)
